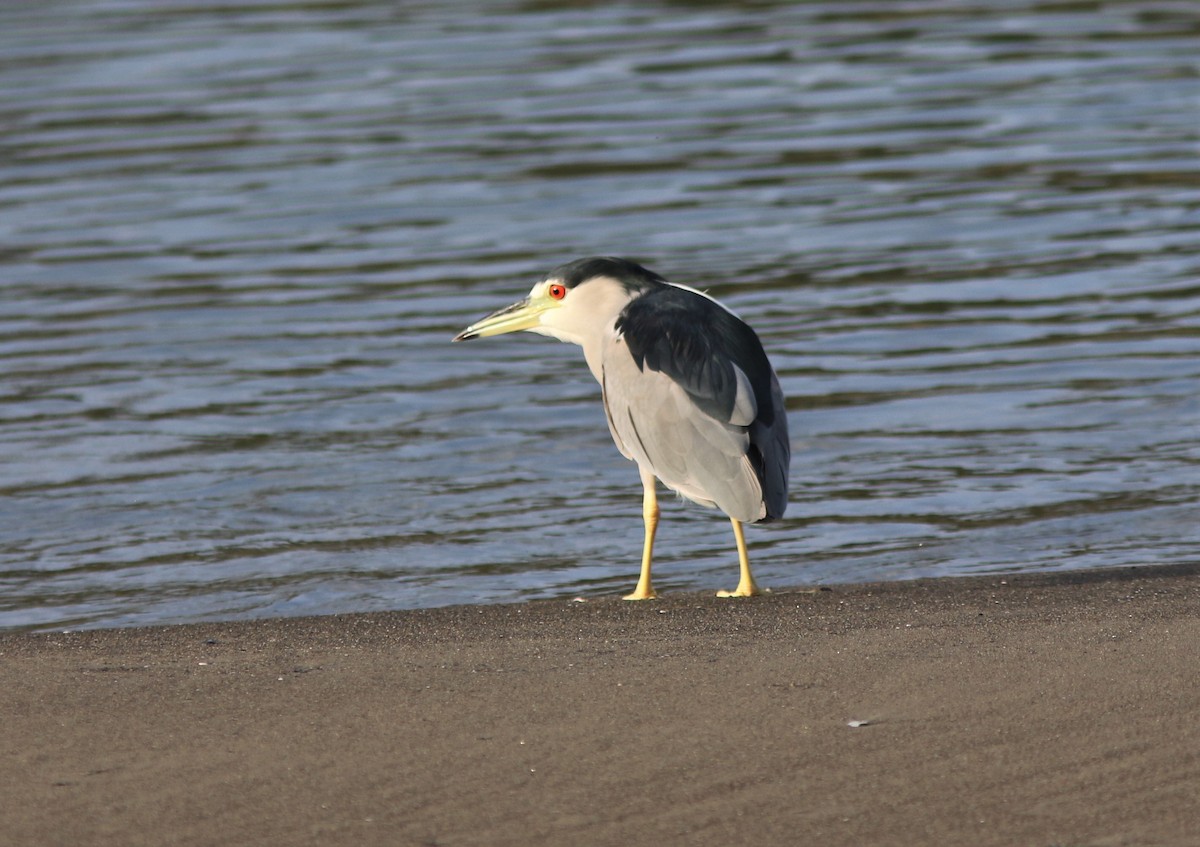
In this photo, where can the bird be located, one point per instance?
(688, 391)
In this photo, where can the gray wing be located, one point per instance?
(690, 395)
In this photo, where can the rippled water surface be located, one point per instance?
(236, 238)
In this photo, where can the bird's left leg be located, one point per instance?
(747, 587)
(645, 590)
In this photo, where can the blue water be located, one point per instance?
(236, 238)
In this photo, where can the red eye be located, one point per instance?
(557, 291)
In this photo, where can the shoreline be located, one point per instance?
(1043, 708)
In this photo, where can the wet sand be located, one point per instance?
(1022, 710)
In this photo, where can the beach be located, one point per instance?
(1029, 709)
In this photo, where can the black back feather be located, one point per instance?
(695, 342)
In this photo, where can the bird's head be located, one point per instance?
(573, 303)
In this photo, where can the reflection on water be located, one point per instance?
(236, 238)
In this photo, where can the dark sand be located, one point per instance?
(1025, 710)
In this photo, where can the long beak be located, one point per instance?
(518, 316)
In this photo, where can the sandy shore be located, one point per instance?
(1025, 710)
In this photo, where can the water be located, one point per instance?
(236, 238)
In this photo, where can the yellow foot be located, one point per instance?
(640, 593)
(750, 590)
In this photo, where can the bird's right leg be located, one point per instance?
(747, 587)
(645, 590)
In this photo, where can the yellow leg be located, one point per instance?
(645, 590)
(747, 587)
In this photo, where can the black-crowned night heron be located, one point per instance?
(689, 393)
